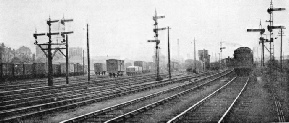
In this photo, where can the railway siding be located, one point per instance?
(212, 107)
(68, 103)
(77, 119)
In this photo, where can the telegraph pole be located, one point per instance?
(67, 61)
(88, 59)
(50, 70)
(156, 29)
(169, 57)
(48, 46)
(281, 52)
(281, 47)
(263, 56)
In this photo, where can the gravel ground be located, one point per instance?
(165, 112)
(282, 90)
(63, 115)
(254, 105)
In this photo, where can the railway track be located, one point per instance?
(215, 106)
(57, 81)
(20, 100)
(29, 94)
(80, 99)
(21, 90)
(130, 108)
(60, 80)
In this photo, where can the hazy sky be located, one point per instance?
(122, 27)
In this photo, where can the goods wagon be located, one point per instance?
(78, 69)
(189, 66)
(214, 66)
(145, 67)
(75, 69)
(28, 70)
(133, 70)
(99, 68)
(56, 69)
(39, 69)
(18, 70)
(229, 62)
(63, 68)
(1, 73)
(243, 61)
(13, 71)
(115, 67)
(7, 70)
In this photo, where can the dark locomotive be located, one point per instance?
(243, 61)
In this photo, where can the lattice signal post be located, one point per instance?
(270, 26)
(49, 46)
(156, 29)
(262, 40)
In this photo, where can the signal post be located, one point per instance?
(262, 40)
(169, 55)
(156, 29)
(221, 49)
(48, 47)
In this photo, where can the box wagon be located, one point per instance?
(133, 70)
(70, 68)
(39, 69)
(7, 70)
(78, 69)
(56, 69)
(115, 67)
(145, 67)
(99, 68)
(28, 70)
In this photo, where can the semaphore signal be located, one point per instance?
(49, 48)
(155, 30)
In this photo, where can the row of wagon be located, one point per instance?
(115, 67)
(12, 71)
